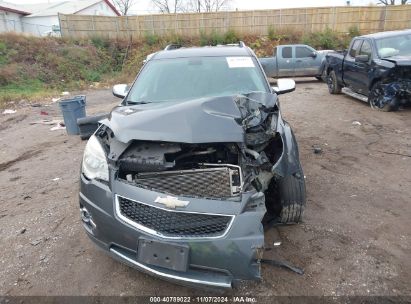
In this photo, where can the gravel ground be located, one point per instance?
(355, 238)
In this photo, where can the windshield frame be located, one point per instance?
(147, 63)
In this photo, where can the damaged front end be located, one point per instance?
(187, 185)
(394, 87)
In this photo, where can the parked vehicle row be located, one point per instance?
(376, 68)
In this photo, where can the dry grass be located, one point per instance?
(32, 68)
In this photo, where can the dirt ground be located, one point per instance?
(355, 238)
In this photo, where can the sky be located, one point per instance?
(145, 6)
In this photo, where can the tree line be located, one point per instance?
(177, 6)
(200, 6)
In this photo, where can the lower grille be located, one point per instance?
(217, 182)
(172, 223)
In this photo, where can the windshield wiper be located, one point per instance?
(138, 102)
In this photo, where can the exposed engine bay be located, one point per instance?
(207, 170)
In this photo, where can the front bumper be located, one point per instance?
(213, 262)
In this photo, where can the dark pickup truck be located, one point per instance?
(376, 69)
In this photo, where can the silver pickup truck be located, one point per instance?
(295, 60)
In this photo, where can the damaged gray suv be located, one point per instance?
(179, 179)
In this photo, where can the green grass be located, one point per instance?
(215, 37)
(30, 70)
(327, 39)
(29, 90)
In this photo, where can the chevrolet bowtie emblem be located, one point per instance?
(171, 202)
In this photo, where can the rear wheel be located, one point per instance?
(378, 100)
(332, 83)
(285, 198)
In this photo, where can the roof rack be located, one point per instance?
(240, 44)
(172, 46)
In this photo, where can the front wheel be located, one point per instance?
(286, 198)
(381, 101)
(332, 83)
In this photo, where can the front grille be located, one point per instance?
(171, 223)
(217, 182)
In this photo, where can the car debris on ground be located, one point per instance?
(9, 111)
(60, 126)
(317, 150)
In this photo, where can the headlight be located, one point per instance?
(94, 160)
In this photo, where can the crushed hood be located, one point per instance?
(400, 60)
(205, 120)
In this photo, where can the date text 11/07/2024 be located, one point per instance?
(235, 299)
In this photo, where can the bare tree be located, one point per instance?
(392, 2)
(177, 6)
(124, 5)
(208, 5)
(169, 6)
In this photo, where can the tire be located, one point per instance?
(375, 99)
(332, 83)
(286, 198)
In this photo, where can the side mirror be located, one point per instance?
(284, 86)
(120, 90)
(313, 54)
(361, 58)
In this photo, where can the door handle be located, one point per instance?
(298, 61)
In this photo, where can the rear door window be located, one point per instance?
(287, 52)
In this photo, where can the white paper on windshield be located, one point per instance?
(240, 62)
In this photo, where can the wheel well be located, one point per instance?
(329, 69)
(373, 83)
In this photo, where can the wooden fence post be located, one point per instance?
(305, 21)
(281, 19)
(92, 23)
(385, 18)
(202, 24)
(127, 28)
(253, 22)
(175, 24)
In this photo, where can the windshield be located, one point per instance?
(182, 79)
(394, 46)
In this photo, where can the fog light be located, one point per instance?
(87, 218)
